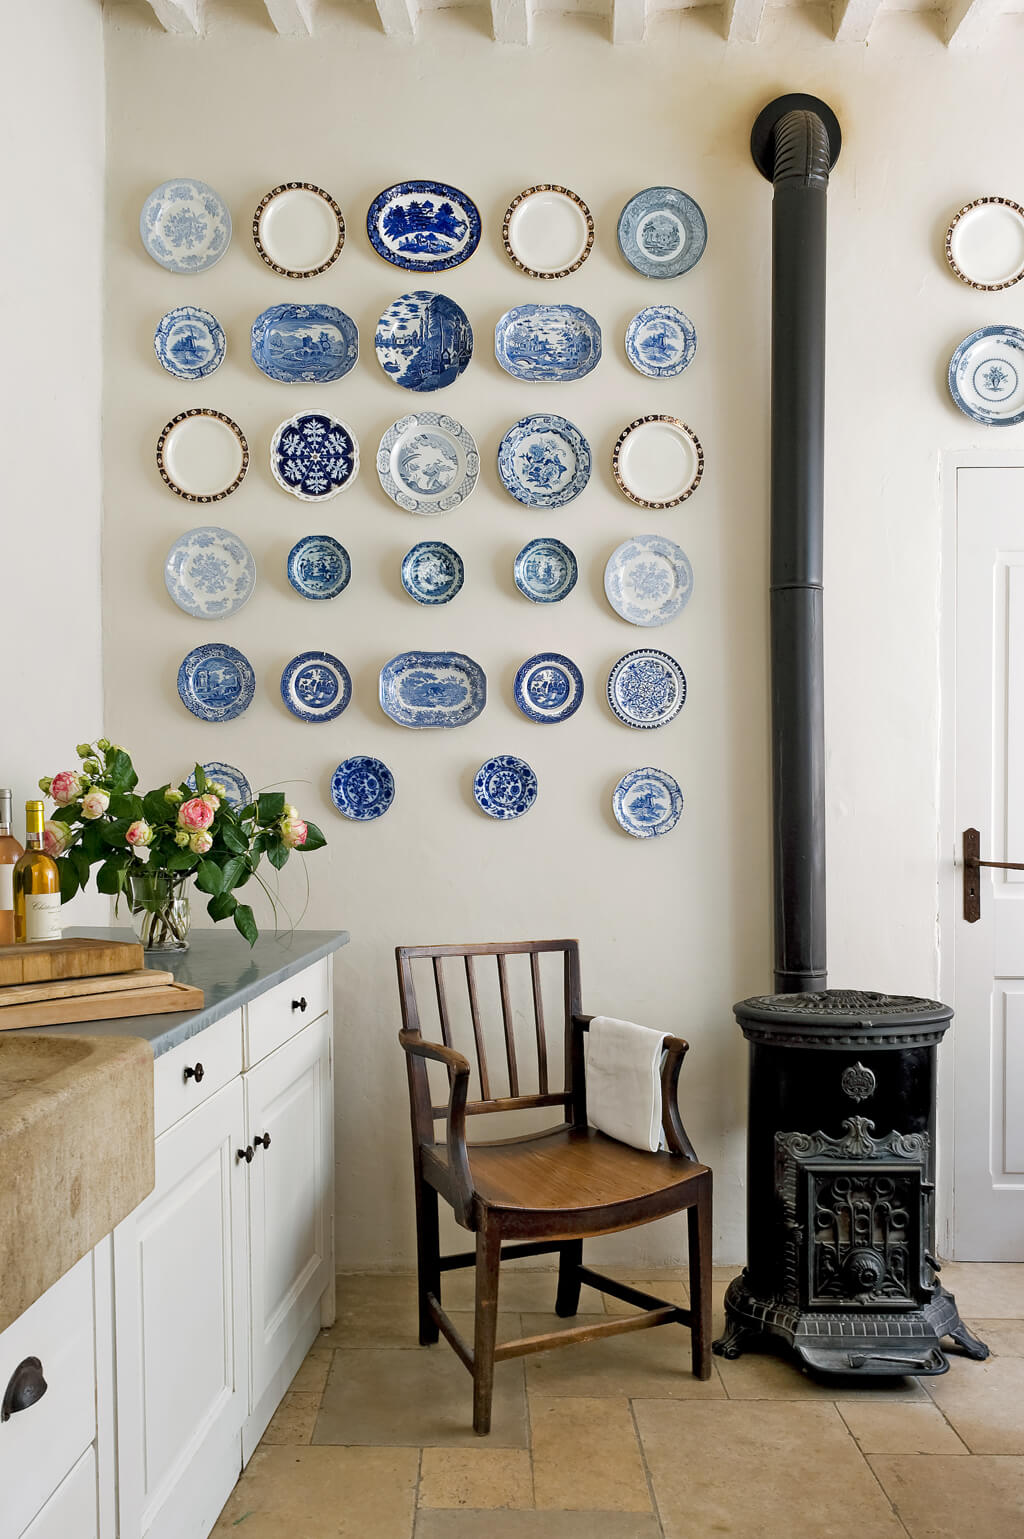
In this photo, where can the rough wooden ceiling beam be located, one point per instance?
(967, 21)
(292, 18)
(512, 21)
(398, 18)
(741, 20)
(629, 21)
(182, 16)
(852, 19)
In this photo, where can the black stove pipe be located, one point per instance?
(795, 143)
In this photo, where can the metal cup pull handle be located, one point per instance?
(26, 1386)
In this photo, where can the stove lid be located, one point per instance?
(843, 1017)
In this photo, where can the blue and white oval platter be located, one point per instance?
(432, 573)
(432, 689)
(547, 342)
(548, 687)
(423, 340)
(216, 682)
(185, 225)
(545, 570)
(425, 227)
(319, 566)
(189, 342)
(304, 344)
(647, 802)
(362, 788)
(660, 341)
(237, 791)
(662, 232)
(544, 461)
(505, 787)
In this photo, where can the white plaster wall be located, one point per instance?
(674, 931)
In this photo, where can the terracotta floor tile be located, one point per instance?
(900, 1429)
(992, 1290)
(773, 1376)
(313, 1373)
(293, 1422)
(1004, 1338)
(480, 1478)
(984, 1403)
(650, 1363)
(951, 1499)
(323, 1493)
(536, 1525)
(585, 1456)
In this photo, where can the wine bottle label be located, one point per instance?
(6, 887)
(42, 916)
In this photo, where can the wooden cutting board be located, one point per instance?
(158, 1000)
(71, 988)
(84, 958)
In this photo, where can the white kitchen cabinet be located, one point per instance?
(71, 1512)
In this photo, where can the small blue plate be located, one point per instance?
(209, 572)
(432, 573)
(185, 225)
(544, 461)
(189, 342)
(647, 802)
(986, 376)
(428, 463)
(319, 567)
(648, 579)
(216, 682)
(548, 687)
(238, 792)
(646, 688)
(547, 342)
(314, 456)
(660, 341)
(432, 689)
(505, 787)
(362, 788)
(662, 232)
(423, 340)
(300, 344)
(425, 227)
(545, 570)
(316, 687)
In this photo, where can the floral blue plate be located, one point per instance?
(314, 456)
(548, 687)
(362, 788)
(986, 376)
(646, 688)
(545, 571)
(216, 682)
(660, 341)
(432, 689)
(238, 792)
(648, 579)
(505, 787)
(185, 225)
(319, 566)
(189, 342)
(432, 573)
(428, 463)
(425, 227)
(298, 344)
(647, 802)
(544, 461)
(315, 686)
(210, 572)
(547, 342)
(662, 232)
(423, 340)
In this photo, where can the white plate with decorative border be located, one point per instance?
(202, 455)
(428, 463)
(548, 231)
(298, 230)
(646, 688)
(648, 579)
(210, 572)
(185, 225)
(985, 244)
(647, 802)
(657, 462)
(986, 376)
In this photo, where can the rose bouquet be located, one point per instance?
(149, 847)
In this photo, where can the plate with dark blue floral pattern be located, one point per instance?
(544, 461)
(425, 227)
(314, 456)
(505, 787)
(362, 788)
(646, 688)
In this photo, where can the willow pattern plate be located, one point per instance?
(548, 687)
(189, 342)
(648, 579)
(423, 340)
(646, 688)
(547, 342)
(237, 790)
(660, 341)
(657, 462)
(548, 231)
(985, 244)
(315, 686)
(428, 463)
(544, 461)
(314, 344)
(314, 456)
(362, 788)
(210, 572)
(185, 225)
(545, 571)
(202, 455)
(425, 227)
(986, 376)
(216, 682)
(432, 573)
(647, 802)
(319, 566)
(505, 787)
(662, 232)
(298, 230)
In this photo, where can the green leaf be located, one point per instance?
(65, 814)
(233, 871)
(69, 883)
(119, 769)
(182, 860)
(92, 845)
(314, 839)
(260, 844)
(209, 877)
(110, 877)
(124, 806)
(113, 833)
(80, 860)
(232, 839)
(270, 806)
(245, 924)
(156, 808)
(222, 905)
(202, 784)
(277, 854)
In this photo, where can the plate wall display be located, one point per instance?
(548, 231)
(315, 686)
(202, 455)
(314, 456)
(432, 689)
(545, 571)
(660, 341)
(319, 566)
(985, 244)
(657, 462)
(547, 342)
(423, 340)
(646, 688)
(432, 573)
(428, 463)
(298, 230)
(425, 227)
(362, 788)
(986, 376)
(210, 572)
(662, 232)
(647, 802)
(548, 687)
(544, 461)
(304, 344)
(185, 225)
(648, 579)
(216, 682)
(189, 342)
(237, 790)
(505, 787)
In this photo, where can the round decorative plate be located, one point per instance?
(185, 225)
(428, 463)
(423, 340)
(986, 376)
(662, 232)
(425, 227)
(210, 572)
(548, 687)
(646, 688)
(202, 455)
(985, 244)
(314, 456)
(216, 682)
(432, 573)
(648, 579)
(298, 230)
(189, 342)
(316, 344)
(237, 790)
(547, 342)
(362, 788)
(657, 462)
(315, 686)
(319, 566)
(660, 341)
(544, 461)
(545, 571)
(647, 802)
(548, 231)
(505, 787)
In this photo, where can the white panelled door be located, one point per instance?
(988, 1154)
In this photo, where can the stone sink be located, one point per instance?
(76, 1152)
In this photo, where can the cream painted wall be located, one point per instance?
(674, 931)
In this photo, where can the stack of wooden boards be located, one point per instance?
(54, 983)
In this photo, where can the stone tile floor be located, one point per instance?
(616, 1440)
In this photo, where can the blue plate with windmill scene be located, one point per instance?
(425, 227)
(362, 788)
(660, 341)
(237, 790)
(216, 682)
(647, 802)
(662, 232)
(548, 687)
(304, 344)
(547, 342)
(432, 573)
(315, 686)
(432, 689)
(544, 461)
(319, 566)
(423, 340)
(545, 571)
(189, 342)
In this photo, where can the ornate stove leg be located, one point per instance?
(732, 1341)
(968, 1343)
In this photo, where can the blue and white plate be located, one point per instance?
(423, 340)
(432, 689)
(319, 566)
(505, 787)
(362, 788)
(237, 790)
(428, 463)
(548, 687)
(432, 573)
(547, 342)
(189, 342)
(986, 376)
(660, 341)
(425, 227)
(544, 461)
(299, 344)
(647, 802)
(185, 225)
(314, 456)
(315, 686)
(545, 570)
(646, 688)
(662, 232)
(216, 682)
(648, 579)
(210, 572)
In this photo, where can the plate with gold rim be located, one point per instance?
(548, 231)
(298, 229)
(202, 455)
(657, 461)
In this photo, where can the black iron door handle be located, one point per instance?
(26, 1386)
(972, 864)
(196, 1073)
(300, 1004)
(264, 1140)
(245, 1154)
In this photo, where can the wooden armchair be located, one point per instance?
(543, 1192)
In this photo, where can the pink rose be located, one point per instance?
(65, 787)
(293, 832)
(195, 814)
(213, 802)
(200, 842)
(139, 833)
(56, 837)
(95, 804)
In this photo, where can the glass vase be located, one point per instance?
(161, 915)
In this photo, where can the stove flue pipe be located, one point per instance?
(795, 143)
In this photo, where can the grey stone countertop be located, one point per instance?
(222, 964)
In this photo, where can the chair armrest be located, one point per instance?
(675, 1051)
(455, 1130)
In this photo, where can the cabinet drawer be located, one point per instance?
(214, 1056)
(284, 1010)
(71, 1512)
(39, 1445)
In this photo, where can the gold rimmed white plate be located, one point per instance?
(657, 462)
(202, 455)
(985, 244)
(298, 230)
(548, 231)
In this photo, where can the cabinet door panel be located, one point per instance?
(71, 1511)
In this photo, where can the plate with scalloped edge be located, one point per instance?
(362, 788)
(646, 688)
(505, 787)
(647, 802)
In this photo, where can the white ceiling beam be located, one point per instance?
(512, 21)
(967, 21)
(629, 21)
(852, 19)
(398, 18)
(292, 18)
(741, 20)
(182, 16)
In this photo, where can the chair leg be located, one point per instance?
(428, 1258)
(570, 1259)
(488, 1257)
(699, 1231)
